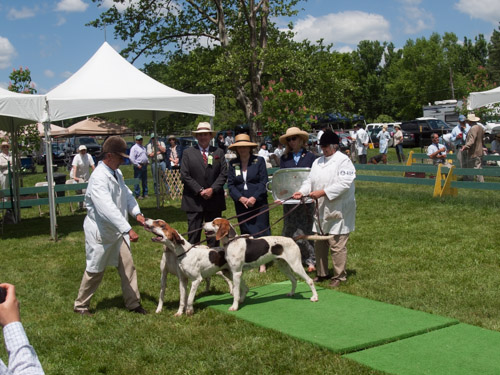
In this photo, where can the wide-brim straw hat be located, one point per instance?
(472, 117)
(5, 144)
(204, 127)
(171, 137)
(242, 140)
(397, 127)
(290, 132)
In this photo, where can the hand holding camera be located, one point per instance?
(9, 308)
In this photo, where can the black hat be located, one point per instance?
(329, 138)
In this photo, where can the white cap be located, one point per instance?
(82, 147)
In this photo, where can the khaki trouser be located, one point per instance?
(337, 245)
(128, 275)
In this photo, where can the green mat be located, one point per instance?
(340, 322)
(459, 349)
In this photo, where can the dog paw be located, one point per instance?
(232, 308)
(178, 313)
(158, 310)
(314, 299)
(189, 312)
(290, 294)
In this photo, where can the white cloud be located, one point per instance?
(486, 10)
(48, 73)
(66, 74)
(349, 27)
(60, 20)
(119, 6)
(71, 6)
(7, 53)
(415, 19)
(24, 12)
(345, 49)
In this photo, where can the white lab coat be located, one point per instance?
(361, 139)
(337, 210)
(108, 203)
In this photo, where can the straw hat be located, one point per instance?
(384, 127)
(171, 137)
(5, 144)
(472, 117)
(397, 127)
(242, 140)
(294, 131)
(204, 127)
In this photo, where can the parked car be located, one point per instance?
(373, 132)
(419, 131)
(71, 148)
(57, 154)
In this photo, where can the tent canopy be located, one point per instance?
(97, 126)
(55, 130)
(483, 98)
(108, 83)
(19, 109)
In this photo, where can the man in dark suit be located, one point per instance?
(204, 173)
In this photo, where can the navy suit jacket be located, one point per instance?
(196, 175)
(168, 153)
(306, 160)
(256, 179)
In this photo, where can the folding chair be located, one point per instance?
(45, 183)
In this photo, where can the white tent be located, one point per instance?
(483, 98)
(17, 110)
(109, 84)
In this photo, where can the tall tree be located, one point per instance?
(494, 56)
(240, 28)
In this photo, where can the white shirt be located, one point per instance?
(264, 154)
(361, 138)
(83, 164)
(337, 210)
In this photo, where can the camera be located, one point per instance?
(3, 294)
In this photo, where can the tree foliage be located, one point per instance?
(21, 81)
(494, 56)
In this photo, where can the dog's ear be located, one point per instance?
(223, 230)
(177, 238)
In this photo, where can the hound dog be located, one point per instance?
(185, 261)
(246, 252)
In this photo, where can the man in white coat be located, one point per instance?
(361, 139)
(331, 183)
(107, 231)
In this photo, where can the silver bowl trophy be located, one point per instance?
(287, 181)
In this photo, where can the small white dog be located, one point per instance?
(180, 258)
(246, 252)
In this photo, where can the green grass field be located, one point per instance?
(409, 249)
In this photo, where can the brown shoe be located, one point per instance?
(83, 312)
(317, 279)
(335, 283)
(139, 310)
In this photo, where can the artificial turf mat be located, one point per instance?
(459, 349)
(340, 322)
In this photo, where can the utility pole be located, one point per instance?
(451, 84)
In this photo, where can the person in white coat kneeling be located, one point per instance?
(107, 231)
(331, 183)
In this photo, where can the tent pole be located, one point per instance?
(50, 181)
(155, 161)
(16, 170)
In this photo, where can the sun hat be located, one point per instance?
(82, 147)
(115, 145)
(472, 117)
(461, 118)
(384, 127)
(290, 132)
(242, 140)
(138, 137)
(329, 138)
(171, 137)
(5, 144)
(204, 127)
(397, 126)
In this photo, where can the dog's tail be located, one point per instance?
(313, 237)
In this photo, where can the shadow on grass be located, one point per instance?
(117, 302)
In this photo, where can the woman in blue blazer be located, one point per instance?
(247, 179)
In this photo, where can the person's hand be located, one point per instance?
(140, 218)
(278, 201)
(251, 202)
(244, 201)
(9, 310)
(207, 193)
(317, 194)
(133, 236)
(297, 195)
(139, 166)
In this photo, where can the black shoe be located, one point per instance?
(83, 312)
(317, 279)
(139, 310)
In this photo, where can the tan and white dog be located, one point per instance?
(246, 252)
(183, 260)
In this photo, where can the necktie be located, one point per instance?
(205, 158)
(114, 175)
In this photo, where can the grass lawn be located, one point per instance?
(409, 249)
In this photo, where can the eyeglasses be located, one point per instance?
(291, 139)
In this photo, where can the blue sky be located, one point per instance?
(50, 36)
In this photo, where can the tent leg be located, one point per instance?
(50, 181)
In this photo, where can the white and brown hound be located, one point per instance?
(185, 261)
(245, 252)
